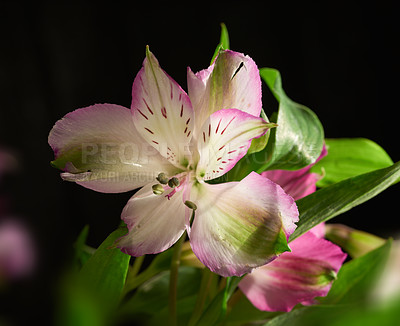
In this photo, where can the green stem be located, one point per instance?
(173, 279)
(234, 299)
(136, 266)
(133, 281)
(206, 280)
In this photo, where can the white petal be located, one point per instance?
(163, 113)
(231, 82)
(155, 222)
(241, 225)
(99, 148)
(224, 139)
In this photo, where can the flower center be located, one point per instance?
(173, 183)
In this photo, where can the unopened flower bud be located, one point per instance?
(355, 242)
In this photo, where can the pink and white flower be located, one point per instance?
(304, 273)
(171, 143)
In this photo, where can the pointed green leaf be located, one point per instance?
(160, 263)
(338, 198)
(223, 42)
(340, 315)
(224, 39)
(81, 254)
(150, 301)
(91, 296)
(216, 309)
(348, 157)
(309, 316)
(105, 272)
(243, 312)
(298, 139)
(358, 277)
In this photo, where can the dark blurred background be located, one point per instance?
(341, 60)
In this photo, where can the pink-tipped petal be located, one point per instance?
(197, 85)
(294, 277)
(224, 139)
(232, 81)
(155, 222)
(233, 219)
(99, 148)
(162, 112)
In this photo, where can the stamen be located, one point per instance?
(190, 204)
(162, 178)
(157, 189)
(173, 182)
(193, 207)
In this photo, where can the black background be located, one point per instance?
(338, 59)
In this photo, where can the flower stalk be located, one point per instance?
(206, 281)
(173, 280)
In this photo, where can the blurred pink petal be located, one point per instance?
(16, 250)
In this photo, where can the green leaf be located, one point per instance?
(358, 277)
(216, 309)
(341, 315)
(223, 42)
(348, 157)
(105, 272)
(338, 198)
(90, 296)
(308, 316)
(224, 39)
(243, 312)
(298, 139)
(150, 301)
(81, 254)
(160, 263)
(387, 314)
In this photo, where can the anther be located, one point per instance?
(173, 182)
(162, 178)
(190, 204)
(157, 189)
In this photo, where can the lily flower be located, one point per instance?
(304, 273)
(170, 143)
